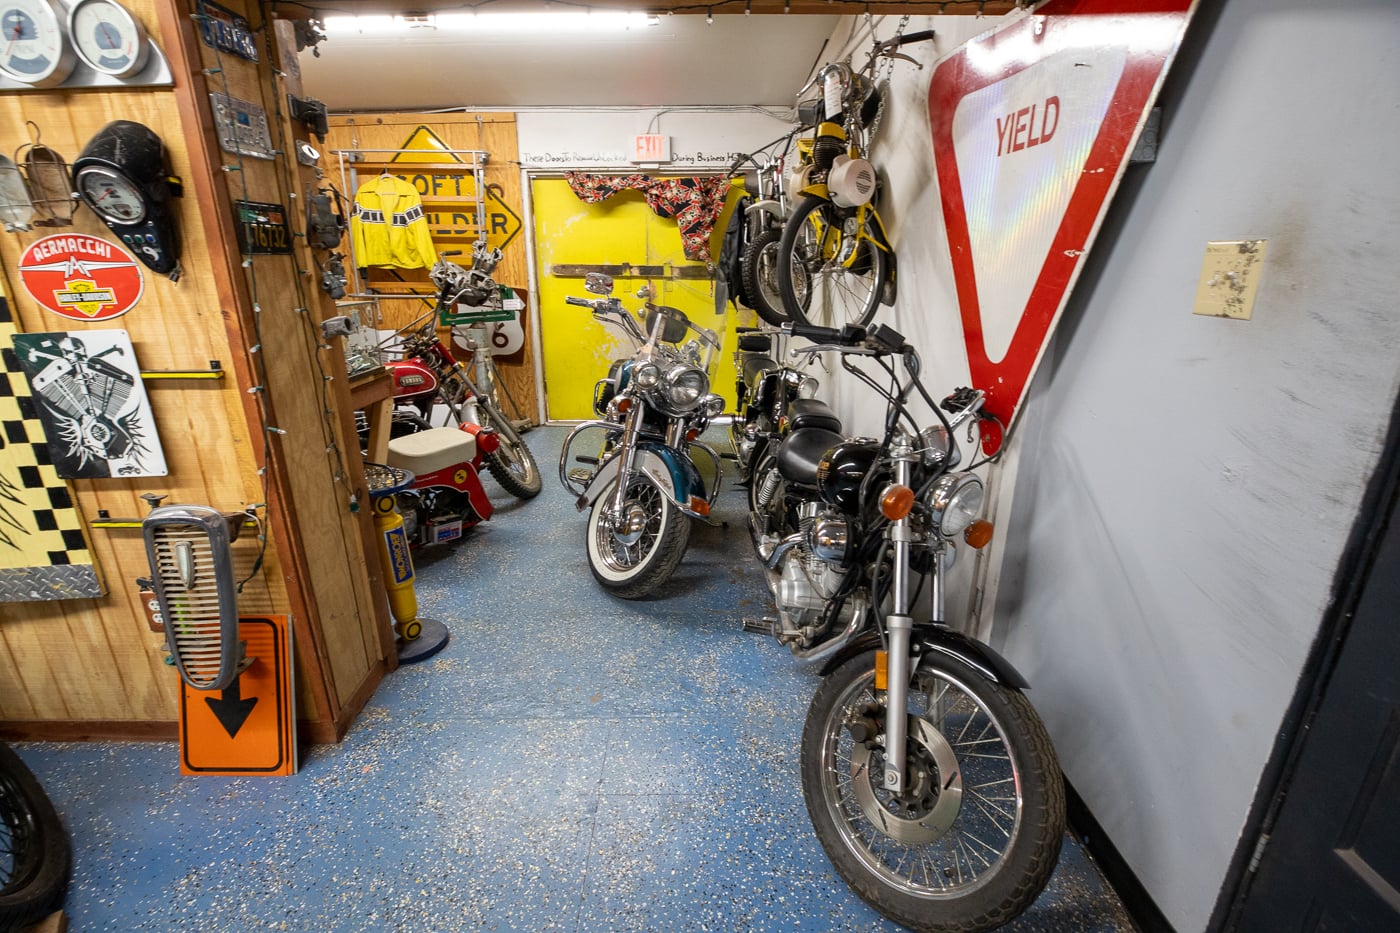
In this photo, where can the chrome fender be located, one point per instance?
(674, 476)
(768, 206)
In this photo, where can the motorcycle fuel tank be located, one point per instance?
(412, 378)
(843, 469)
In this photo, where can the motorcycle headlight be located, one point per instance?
(646, 374)
(685, 386)
(714, 406)
(956, 500)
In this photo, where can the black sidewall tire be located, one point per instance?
(42, 890)
(526, 487)
(751, 266)
(792, 231)
(1032, 855)
(653, 570)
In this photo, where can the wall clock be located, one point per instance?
(108, 38)
(34, 47)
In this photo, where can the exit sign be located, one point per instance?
(651, 147)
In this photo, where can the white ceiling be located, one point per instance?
(681, 61)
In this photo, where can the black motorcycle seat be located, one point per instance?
(812, 413)
(755, 343)
(801, 451)
(754, 365)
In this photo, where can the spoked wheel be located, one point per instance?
(634, 553)
(35, 854)
(975, 836)
(759, 271)
(831, 268)
(512, 463)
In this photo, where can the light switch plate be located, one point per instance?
(1230, 278)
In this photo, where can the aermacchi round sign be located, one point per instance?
(82, 278)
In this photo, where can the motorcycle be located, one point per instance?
(834, 262)
(773, 398)
(929, 778)
(644, 482)
(428, 374)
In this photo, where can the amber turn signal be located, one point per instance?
(691, 435)
(896, 501)
(623, 405)
(699, 506)
(979, 533)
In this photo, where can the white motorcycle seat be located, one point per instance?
(431, 450)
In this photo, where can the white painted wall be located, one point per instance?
(1187, 483)
(555, 139)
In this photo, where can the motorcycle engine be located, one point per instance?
(811, 574)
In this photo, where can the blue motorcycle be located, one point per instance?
(642, 487)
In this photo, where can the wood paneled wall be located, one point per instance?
(495, 134)
(92, 668)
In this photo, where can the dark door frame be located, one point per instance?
(1357, 558)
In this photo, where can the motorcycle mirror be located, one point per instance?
(598, 283)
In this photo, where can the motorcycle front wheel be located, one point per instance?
(511, 464)
(639, 551)
(831, 270)
(35, 855)
(758, 268)
(973, 840)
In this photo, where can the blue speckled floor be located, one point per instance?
(569, 762)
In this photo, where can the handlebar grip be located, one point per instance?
(450, 252)
(582, 302)
(849, 335)
(919, 36)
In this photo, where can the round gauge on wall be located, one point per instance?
(108, 38)
(112, 195)
(34, 48)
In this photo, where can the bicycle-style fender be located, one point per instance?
(932, 638)
(766, 206)
(670, 471)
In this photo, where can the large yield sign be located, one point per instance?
(249, 727)
(1033, 123)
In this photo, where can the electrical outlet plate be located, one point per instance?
(1230, 278)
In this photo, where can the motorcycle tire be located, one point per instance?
(635, 570)
(511, 464)
(829, 276)
(759, 273)
(986, 782)
(35, 854)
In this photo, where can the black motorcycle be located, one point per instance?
(773, 394)
(929, 778)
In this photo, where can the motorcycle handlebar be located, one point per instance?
(581, 302)
(919, 36)
(849, 335)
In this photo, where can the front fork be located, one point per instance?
(900, 626)
(631, 425)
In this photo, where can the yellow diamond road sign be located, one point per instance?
(449, 219)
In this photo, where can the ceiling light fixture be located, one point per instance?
(491, 23)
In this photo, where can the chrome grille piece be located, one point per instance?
(187, 547)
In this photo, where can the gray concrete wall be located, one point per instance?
(1186, 484)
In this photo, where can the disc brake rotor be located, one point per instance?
(933, 809)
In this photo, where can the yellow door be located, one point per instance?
(571, 235)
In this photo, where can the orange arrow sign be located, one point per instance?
(249, 727)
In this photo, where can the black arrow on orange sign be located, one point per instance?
(231, 709)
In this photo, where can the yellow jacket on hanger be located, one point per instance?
(387, 226)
